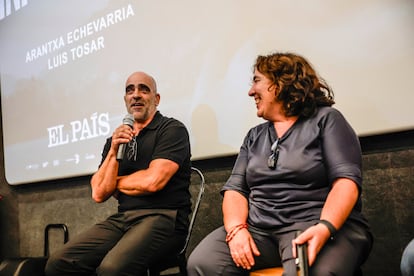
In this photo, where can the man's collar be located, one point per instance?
(155, 121)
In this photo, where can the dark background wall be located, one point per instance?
(388, 172)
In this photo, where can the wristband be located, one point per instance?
(234, 231)
(331, 228)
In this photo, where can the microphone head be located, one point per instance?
(128, 120)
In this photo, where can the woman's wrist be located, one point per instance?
(234, 230)
(329, 225)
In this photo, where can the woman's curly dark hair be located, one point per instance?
(298, 86)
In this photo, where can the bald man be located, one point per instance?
(151, 184)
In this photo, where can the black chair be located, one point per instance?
(180, 261)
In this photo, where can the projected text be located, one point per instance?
(87, 128)
(57, 45)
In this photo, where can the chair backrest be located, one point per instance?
(47, 230)
(196, 205)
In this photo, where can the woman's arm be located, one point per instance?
(235, 209)
(241, 244)
(342, 158)
(338, 205)
(340, 202)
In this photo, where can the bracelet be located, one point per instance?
(331, 228)
(233, 231)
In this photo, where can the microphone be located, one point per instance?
(128, 120)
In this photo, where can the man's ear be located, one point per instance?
(158, 98)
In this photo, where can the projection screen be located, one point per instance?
(64, 66)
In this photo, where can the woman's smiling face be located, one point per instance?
(264, 93)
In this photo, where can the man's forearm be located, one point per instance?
(104, 181)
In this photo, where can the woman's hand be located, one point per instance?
(315, 237)
(243, 249)
(241, 244)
